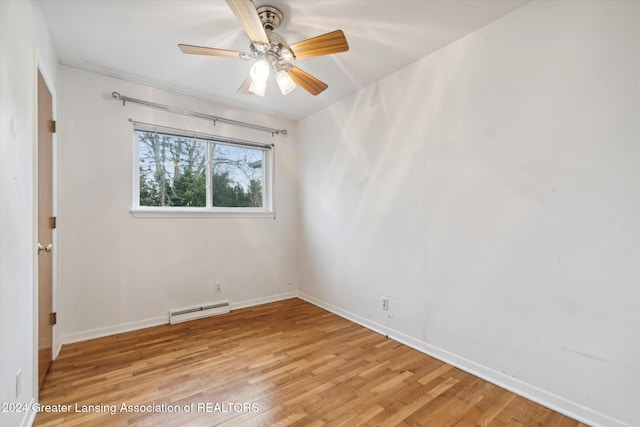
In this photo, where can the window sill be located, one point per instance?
(200, 213)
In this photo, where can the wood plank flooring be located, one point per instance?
(287, 363)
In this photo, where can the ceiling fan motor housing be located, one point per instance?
(277, 49)
(270, 16)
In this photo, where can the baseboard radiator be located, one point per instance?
(178, 315)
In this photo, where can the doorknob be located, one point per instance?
(47, 248)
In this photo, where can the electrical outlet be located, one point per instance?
(385, 303)
(18, 382)
(218, 287)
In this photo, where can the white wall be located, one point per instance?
(118, 272)
(492, 191)
(23, 48)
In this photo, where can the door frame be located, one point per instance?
(56, 344)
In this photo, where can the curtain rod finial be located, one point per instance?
(116, 96)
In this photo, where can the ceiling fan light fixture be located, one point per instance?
(260, 70)
(258, 87)
(260, 48)
(271, 51)
(285, 82)
(286, 54)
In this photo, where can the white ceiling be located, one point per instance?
(137, 40)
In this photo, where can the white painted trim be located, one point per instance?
(35, 388)
(161, 320)
(545, 398)
(114, 329)
(57, 346)
(200, 213)
(262, 300)
(30, 415)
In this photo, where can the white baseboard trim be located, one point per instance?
(155, 321)
(30, 415)
(114, 329)
(262, 300)
(56, 349)
(545, 398)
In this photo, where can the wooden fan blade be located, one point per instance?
(306, 81)
(201, 50)
(246, 13)
(244, 89)
(333, 42)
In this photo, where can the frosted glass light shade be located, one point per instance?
(258, 87)
(260, 70)
(285, 82)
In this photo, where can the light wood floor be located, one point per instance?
(284, 363)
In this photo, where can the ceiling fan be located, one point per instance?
(271, 52)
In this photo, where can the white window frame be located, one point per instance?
(267, 211)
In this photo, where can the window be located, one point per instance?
(181, 172)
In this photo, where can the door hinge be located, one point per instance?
(53, 222)
(53, 126)
(53, 318)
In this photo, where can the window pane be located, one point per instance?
(238, 176)
(172, 170)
